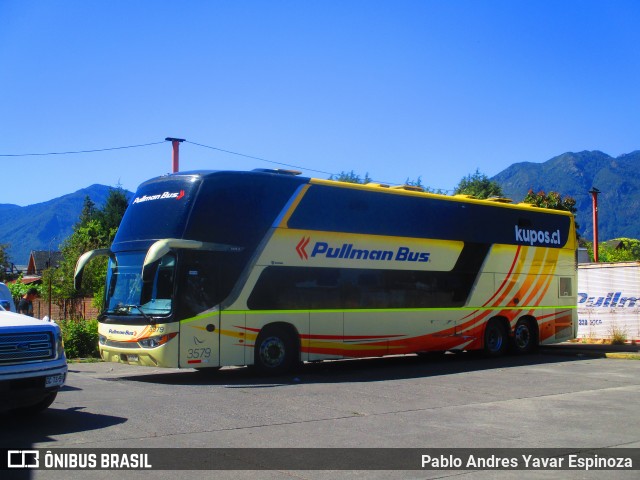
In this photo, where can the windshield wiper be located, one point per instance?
(125, 309)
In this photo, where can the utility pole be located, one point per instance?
(175, 156)
(50, 271)
(594, 194)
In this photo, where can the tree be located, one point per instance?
(86, 237)
(479, 186)
(88, 211)
(552, 200)
(418, 183)
(4, 261)
(19, 289)
(414, 183)
(113, 211)
(350, 177)
(616, 250)
(631, 245)
(95, 228)
(435, 190)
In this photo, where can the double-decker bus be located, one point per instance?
(267, 268)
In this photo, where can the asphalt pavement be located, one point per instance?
(564, 396)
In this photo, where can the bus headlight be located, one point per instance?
(154, 342)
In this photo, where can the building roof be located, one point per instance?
(615, 244)
(40, 260)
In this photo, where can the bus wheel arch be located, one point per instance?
(277, 348)
(496, 336)
(525, 338)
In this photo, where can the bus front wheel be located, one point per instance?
(495, 338)
(275, 350)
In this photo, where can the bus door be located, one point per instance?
(197, 288)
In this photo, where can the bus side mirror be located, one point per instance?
(82, 262)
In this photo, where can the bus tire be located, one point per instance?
(276, 350)
(525, 337)
(495, 338)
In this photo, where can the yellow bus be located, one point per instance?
(267, 268)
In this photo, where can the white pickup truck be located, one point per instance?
(33, 365)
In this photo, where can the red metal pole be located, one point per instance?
(594, 194)
(175, 156)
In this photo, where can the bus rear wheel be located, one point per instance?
(276, 350)
(495, 338)
(525, 338)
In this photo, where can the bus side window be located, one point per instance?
(164, 284)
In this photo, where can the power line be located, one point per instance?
(96, 150)
(78, 151)
(259, 158)
(331, 174)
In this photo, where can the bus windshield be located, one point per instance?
(127, 294)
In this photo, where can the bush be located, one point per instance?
(618, 335)
(19, 289)
(80, 338)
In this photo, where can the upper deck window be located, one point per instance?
(160, 209)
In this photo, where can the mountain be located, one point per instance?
(46, 225)
(575, 174)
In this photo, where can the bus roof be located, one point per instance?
(404, 190)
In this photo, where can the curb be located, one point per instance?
(591, 350)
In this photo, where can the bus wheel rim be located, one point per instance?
(272, 351)
(522, 336)
(495, 341)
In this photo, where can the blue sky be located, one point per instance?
(399, 89)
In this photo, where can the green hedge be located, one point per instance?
(80, 338)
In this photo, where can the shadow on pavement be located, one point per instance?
(361, 370)
(21, 432)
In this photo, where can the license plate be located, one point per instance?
(54, 380)
(132, 358)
